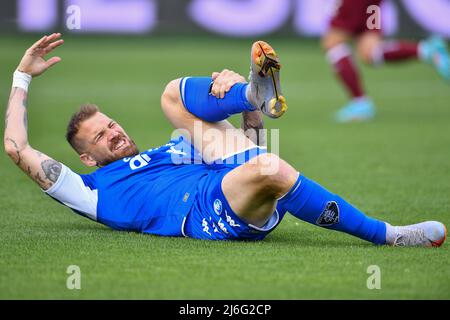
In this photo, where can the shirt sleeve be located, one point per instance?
(71, 190)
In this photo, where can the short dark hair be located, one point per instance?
(85, 112)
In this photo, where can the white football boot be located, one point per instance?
(264, 90)
(424, 234)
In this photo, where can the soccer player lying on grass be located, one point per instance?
(219, 190)
(352, 21)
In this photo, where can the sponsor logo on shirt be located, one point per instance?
(205, 226)
(222, 226)
(218, 207)
(139, 161)
(230, 220)
(214, 225)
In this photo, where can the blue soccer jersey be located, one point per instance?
(167, 191)
(150, 193)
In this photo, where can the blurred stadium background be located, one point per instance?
(122, 53)
(233, 18)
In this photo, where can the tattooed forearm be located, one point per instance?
(39, 167)
(39, 180)
(52, 169)
(253, 125)
(257, 135)
(16, 157)
(15, 116)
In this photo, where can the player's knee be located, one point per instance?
(331, 40)
(365, 55)
(171, 93)
(367, 49)
(272, 174)
(326, 43)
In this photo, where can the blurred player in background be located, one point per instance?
(354, 20)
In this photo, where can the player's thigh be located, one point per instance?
(366, 44)
(334, 37)
(214, 139)
(253, 188)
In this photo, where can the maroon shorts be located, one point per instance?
(351, 16)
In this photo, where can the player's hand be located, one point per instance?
(33, 61)
(223, 82)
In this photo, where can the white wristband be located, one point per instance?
(21, 80)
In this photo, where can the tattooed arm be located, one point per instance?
(253, 125)
(41, 168)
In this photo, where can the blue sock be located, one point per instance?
(312, 203)
(195, 93)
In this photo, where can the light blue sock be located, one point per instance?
(198, 100)
(312, 203)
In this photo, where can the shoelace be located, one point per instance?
(409, 237)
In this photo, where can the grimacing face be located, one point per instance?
(104, 141)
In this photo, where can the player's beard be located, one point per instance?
(129, 151)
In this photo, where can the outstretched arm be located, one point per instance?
(38, 166)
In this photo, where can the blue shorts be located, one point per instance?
(211, 216)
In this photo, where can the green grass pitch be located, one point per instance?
(396, 168)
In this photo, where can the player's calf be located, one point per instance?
(312, 203)
(198, 99)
